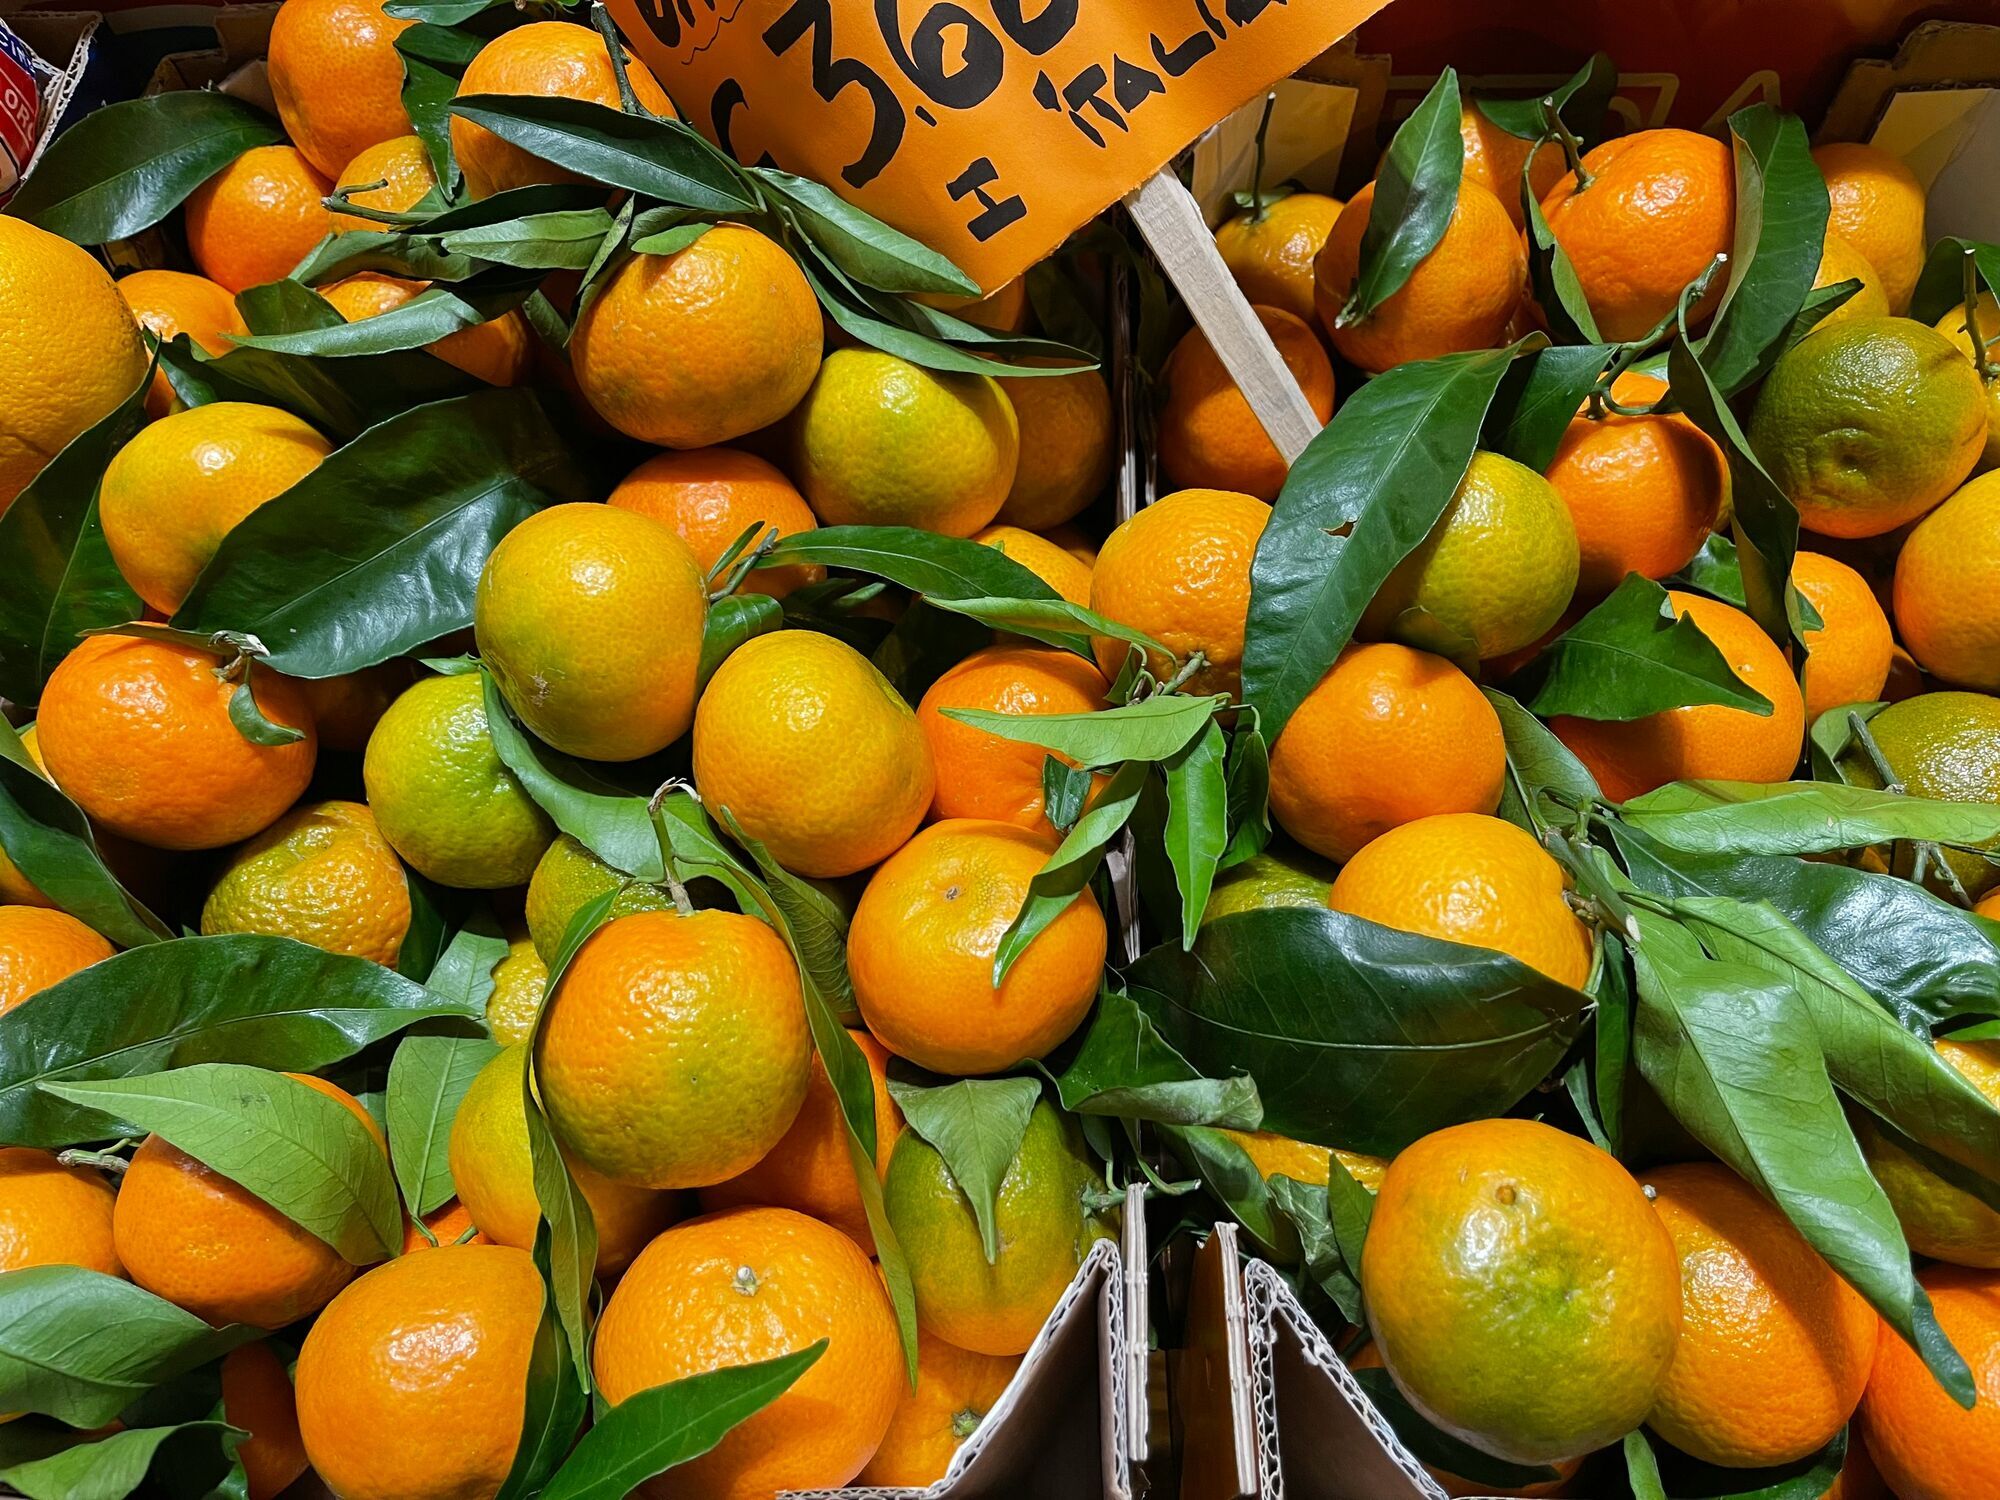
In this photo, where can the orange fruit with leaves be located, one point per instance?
(1705, 740)
(257, 218)
(981, 774)
(70, 351)
(710, 496)
(412, 1383)
(322, 874)
(1461, 296)
(1643, 491)
(809, 1169)
(1957, 325)
(1775, 1348)
(707, 344)
(752, 1284)
(138, 734)
(53, 1215)
(167, 303)
(337, 78)
(400, 165)
(1066, 445)
(812, 752)
(955, 1390)
(1469, 878)
(1939, 1218)
(185, 482)
(1839, 261)
(257, 1396)
(191, 1235)
(1651, 213)
(40, 946)
(1208, 436)
(674, 1053)
(1877, 207)
(1494, 159)
(925, 933)
(499, 351)
(1927, 1446)
(1270, 249)
(1179, 571)
(552, 59)
(1847, 658)
(1389, 735)
(1522, 1292)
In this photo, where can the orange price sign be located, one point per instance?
(989, 129)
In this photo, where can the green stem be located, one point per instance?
(1969, 272)
(615, 46)
(1257, 171)
(341, 201)
(745, 565)
(1195, 662)
(1552, 121)
(683, 904)
(104, 1161)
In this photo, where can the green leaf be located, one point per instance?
(1053, 622)
(1808, 1478)
(1580, 103)
(1304, 1205)
(1642, 1469)
(431, 69)
(1537, 762)
(298, 1150)
(1781, 213)
(113, 1467)
(1359, 1036)
(81, 1346)
(559, 241)
(1925, 959)
(670, 241)
(1941, 287)
(124, 167)
(1232, 1179)
(1123, 1067)
(860, 244)
(435, 313)
(238, 997)
(607, 820)
(1765, 522)
(730, 622)
(1249, 786)
(427, 1079)
(1063, 878)
(572, 1230)
(1150, 729)
(1804, 817)
(1439, 1448)
(1539, 397)
(1631, 657)
(662, 159)
(250, 722)
(57, 579)
(417, 257)
(814, 924)
(1065, 792)
(379, 549)
(938, 567)
(1416, 194)
(1197, 822)
(1738, 1061)
(1831, 740)
(977, 1125)
(556, 1402)
(51, 843)
(464, 970)
(1553, 281)
(1366, 491)
(657, 1429)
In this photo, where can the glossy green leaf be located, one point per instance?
(1416, 194)
(607, 820)
(1065, 792)
(1642, 1469)
(1197, 822)
(1737, 1059)
(657, 1429)
(859, 243)
(428, 1078)
(1553, 282)
(437, 312)
(50, 842)
(1123, 1067)
(379, 549)
(81, 1346)
(815, 925)
(730, 622)
(57, 578)
(939, 567)
(249, 721)
(123, 167)
(663, 159)
(239, 998)
(1053, 622)
(432, 64)
(1580, 102)
(1781, 213)
(113, 1467)
(1632, 656)
(1150, 729)
(298, 1150)
(397, 252)
(1804, 817)
(1249, 787)
(1539, 397)
(977, 1125)
(559, 241)
(1941, 286)
(1808, 1478)
(1359, 1036)
(571, 1227)
(1067, 873)
(556, 1403)
(1304, 1206)
(464, 969)
(1537, 763)
(1365, 492)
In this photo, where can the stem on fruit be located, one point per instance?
(627, 99)
(1857, 727)
(1969, 274)
(743, 566)
(1552, 121)
(341, 201)
(1195, 662)
(1257, 171)
(654, 805)
(104, 1161)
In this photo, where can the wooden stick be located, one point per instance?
(1171, 221)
